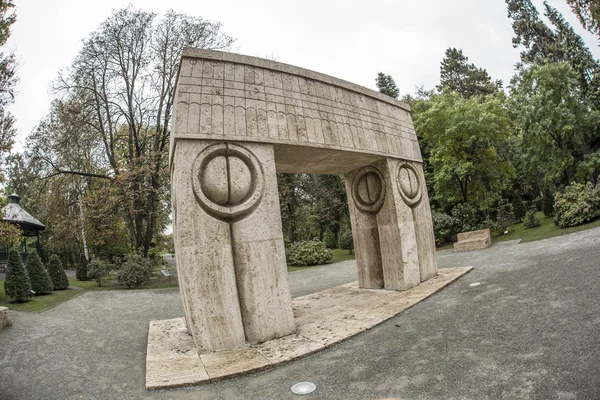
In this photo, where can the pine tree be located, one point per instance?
(40, 281)
(81, 272)
(386, 85)
(531, 32)
(456, 74)
(57, 273)
(16, 284)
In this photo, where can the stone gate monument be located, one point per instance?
(237, 121)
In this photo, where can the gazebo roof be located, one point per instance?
(13, 213)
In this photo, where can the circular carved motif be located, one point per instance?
(368, 190)
(227, 180)
(409, 184)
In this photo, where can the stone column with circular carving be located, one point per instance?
(229, 244)
(366, 191)
(393, 233)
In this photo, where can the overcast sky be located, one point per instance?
(352, 40)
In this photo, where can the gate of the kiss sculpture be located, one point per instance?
(238, 120)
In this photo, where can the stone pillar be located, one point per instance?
(397, 236)
(260, 265)
(391, 225)
(363, 217)
(229, 244)
(424, 230)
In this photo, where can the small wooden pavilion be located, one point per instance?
(30, 226)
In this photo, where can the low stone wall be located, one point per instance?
(473, 240)
(4, 318)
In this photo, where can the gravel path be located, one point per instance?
(530, 330)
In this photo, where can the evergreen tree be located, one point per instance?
(519, 207)
(16, 284)
(81, 273)
(40, 281)
(531, 32)
(57, 273)
(459, 76)
(386, 85)
(588, 12)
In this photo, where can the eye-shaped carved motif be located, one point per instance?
(368, 190)
(409, 184)
(228, 181)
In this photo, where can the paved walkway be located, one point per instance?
(530, 330)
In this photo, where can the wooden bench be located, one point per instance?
(473, 240)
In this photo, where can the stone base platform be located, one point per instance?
(4, 318)
(322, 319)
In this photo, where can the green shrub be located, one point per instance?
(329, 239)
(57, 273)
(445, 227)
(548, 203)
(345, 240)
(38, 276)
(16, 283)
(82, 273)
(519, 208)
(576, 205)
(135, 271)
(97, 270)
(310, 252)
(505, 217)
(531, 221)
(468, 217)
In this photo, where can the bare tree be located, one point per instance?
(119, 91)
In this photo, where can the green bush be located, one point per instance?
(38, 276)
(82, 273)
(577, 204)
(531, 221)
(16, 283)
(519, 208)
(468, 217)
(310, 252)
(445, 227)
(345, 240)
(505, 217)
(329, 239)
(548, 203)
(57, 273)
(135, 271)
(97, 270)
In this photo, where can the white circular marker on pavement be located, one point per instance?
(475, 284)
(303, 388)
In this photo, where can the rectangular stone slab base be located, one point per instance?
(322, 319)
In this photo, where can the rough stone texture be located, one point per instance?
(395, 247)
(323, 319)
(4, 318)
(473, 240)
(238, 120)
(224, 95)
(228, 299)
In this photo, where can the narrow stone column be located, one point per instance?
(204, 257)
(259, 253)
(365, 235)
(424, 230)
(397, 236)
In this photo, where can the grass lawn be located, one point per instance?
(338, 255)
(547, 230)
(38, 303)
